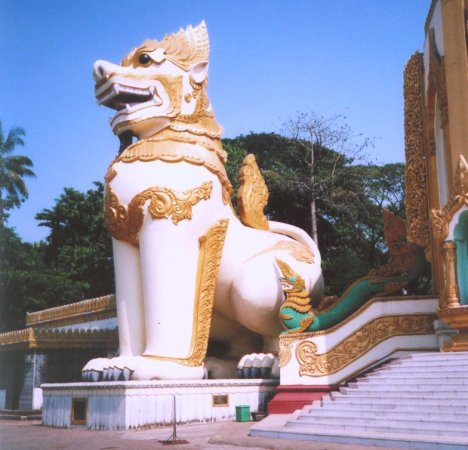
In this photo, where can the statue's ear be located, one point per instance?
(199, 72)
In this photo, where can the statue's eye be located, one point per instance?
(144, 59)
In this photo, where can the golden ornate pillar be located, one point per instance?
(451, 294)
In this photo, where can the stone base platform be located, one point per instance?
(136, 404)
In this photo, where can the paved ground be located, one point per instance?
(31, 435)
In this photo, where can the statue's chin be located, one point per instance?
(141, 128)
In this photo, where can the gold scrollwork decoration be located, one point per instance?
(110, 174)
(441, 218)
(180, 147)
(253, 195)
(416, 185)
(165, 204)
(209, 260)
(124, 222)
(298, 251)
(285, 345)
(367, 337)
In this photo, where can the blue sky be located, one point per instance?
(269, 59)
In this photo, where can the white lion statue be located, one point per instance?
(188, 271)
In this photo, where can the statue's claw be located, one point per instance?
(104, 369)
(116, 374)
(126, 372)
(258, 365)
(93, 369)
(93, 375)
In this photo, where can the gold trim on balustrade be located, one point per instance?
(359, 343)
(287, 340)
(91, 309)
(29, 338)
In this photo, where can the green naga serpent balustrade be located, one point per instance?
(298, 313)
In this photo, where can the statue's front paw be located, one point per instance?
(108, 369)
(93, 369)
(258, 365)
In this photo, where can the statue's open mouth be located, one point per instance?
(125, 97)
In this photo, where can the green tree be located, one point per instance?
(329, 150)
(27, 283)
(13, 170)
(78, 243)
(236, 154)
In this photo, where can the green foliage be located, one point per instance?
(13, 169)
(78, 243)
(27, 283)
(74, 263)
(236, 154)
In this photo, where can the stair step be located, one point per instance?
(399, 397)
(421, 441)
(382, 426)
(460, 391)
(364, 414)
(422, 407)
(410, 383)
(382, 439)
(424, 364)
(441, 356)
(454, 374)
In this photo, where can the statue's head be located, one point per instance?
(159, 84)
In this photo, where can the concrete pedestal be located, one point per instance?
(135, 404)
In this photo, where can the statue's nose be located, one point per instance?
(101, 68)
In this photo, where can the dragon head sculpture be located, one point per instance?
(160, 85)
(291, 281)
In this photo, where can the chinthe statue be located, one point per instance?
(188, 271)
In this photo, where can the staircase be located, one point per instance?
(420, 401)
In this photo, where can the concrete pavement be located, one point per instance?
(31, 435)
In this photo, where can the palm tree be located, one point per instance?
(13, 168)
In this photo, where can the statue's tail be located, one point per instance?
(298, 235)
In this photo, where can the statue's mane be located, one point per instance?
(184, 48)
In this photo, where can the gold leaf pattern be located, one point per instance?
(416, 185)
(363, 340)
(211, 249)
(253, 195)
(177, 147)
(124, 222)
(441, 218)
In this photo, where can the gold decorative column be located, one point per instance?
(452, 295)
